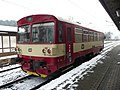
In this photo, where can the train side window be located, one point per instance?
(85, 35)
(90, 36)
(69, 34)
(95, 36)
(78, 34)
(60, 32)
(100, 36)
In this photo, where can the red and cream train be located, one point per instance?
(46, 44)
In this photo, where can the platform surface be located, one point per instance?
(106, 75)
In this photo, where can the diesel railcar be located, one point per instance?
(46, 44)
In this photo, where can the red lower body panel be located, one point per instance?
(39, 65)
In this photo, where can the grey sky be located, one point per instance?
(89, 13)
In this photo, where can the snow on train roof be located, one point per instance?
(75, 23)
(8, 28)
(68, 21)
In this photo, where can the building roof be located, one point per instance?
(8, 28)
(113, 9)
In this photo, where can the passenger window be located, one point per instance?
(95, 36)
(78, 34)
(90, 36)
(85, 35)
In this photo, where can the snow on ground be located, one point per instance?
(76, 74)
(8, 67)
(118, 54)
(105, 42)
(6, 57)
(26, 84)
(9, 76)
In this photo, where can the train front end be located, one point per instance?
(36, 46)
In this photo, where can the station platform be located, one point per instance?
(106, 75)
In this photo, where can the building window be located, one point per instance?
(6, 44)
(13, 43)
(1, 44)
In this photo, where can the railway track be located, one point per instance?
(11, 75)
(22, 84)
(35, 82)
(10, 67)
(7, 85)
(107, 47)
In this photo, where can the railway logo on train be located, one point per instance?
(46, 44)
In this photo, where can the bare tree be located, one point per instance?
(108, 35)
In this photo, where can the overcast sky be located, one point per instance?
(89, 13)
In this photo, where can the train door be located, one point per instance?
(69, 44)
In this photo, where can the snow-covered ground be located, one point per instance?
(73, 76)
(8, 57)
(8, 67)
(70, 78)
(11, 75)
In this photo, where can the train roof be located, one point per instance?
(48, 16)
(65, 20)
(75, 23)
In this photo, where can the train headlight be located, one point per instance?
(19, 50)
(44, 51)
(49, 51)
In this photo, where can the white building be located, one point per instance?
(7, 38)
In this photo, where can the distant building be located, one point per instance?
(8, 28)
(7, 38)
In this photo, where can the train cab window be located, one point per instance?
(85, 35)
(24, 34)
(60, 32)
(78, 34)
(43, 33)
(69, 34)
